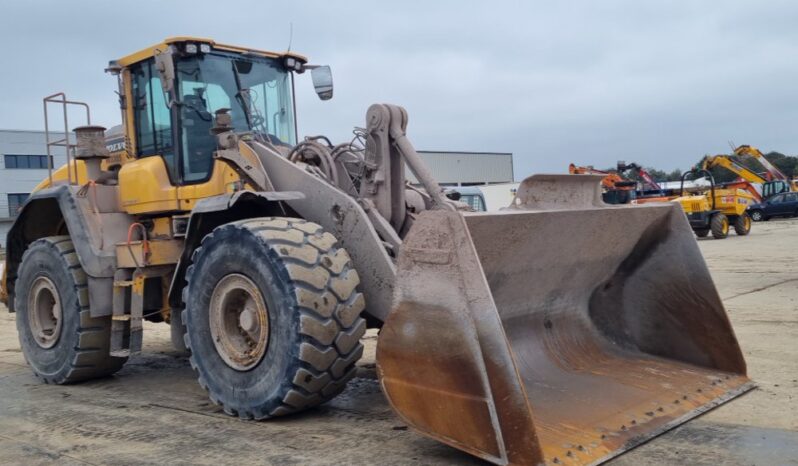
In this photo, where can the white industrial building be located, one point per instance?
(23, 164)
(468, 168)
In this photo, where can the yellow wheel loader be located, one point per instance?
(561, 330)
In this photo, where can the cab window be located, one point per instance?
(256, 91)
(474, 201)
(152, 117)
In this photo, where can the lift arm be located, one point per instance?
(751, 151)
(726, 162)
(608, 182)
(647, 178)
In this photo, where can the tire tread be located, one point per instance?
(329, 303)
(91, 358)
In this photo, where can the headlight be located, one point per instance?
(205, 48)
(191, 48)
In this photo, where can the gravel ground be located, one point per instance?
(153, 411)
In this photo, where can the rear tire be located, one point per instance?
(742, 225)
(702, 233)
(756, 215)
(719, 226)
(272, 316)
(61, 342)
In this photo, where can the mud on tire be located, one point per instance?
(311, 293)
(81, 349)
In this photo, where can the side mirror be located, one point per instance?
(165, 65)
(322, 81)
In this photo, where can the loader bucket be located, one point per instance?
(558, 331)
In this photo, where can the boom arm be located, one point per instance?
(647, 178)
(760, 157)
(726, 162)
(609, 180)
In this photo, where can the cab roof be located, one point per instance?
(150, 51)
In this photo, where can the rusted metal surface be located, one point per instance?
(44, 315)
(239, 322)
(559, 331)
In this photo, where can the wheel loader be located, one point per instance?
(560, 330)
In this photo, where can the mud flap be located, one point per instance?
(559, 331)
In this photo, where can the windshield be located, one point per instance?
(774, 187)
(257, 91)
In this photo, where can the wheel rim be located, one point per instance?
(747, 222)
(44, 312)
(239, 322)
(725, 227)
(756, 216)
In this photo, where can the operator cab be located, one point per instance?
(771, 188)
(172, 92)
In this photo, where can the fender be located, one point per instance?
(211, 212)
(91, 222)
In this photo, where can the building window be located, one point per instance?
(25, 161)
(15, 202)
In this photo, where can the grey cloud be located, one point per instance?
(660, 83)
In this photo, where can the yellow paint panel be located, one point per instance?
(61, 176)
(144, 187)
(221, 181)
(150, 51)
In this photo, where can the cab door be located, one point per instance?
(147, 184)
(201, 175)
(774, 205)
(790, 204)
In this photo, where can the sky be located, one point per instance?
(660, 83)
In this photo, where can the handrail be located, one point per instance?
(64, 102)
(700, 171)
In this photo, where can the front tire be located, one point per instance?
(272, 316)
(742, 225)
(719, 226)
(702, 233)
(61, 342)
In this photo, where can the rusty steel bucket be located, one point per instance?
(558, 331)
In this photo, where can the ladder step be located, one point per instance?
(123, 283)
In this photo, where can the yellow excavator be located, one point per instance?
(561, 330)
(772, 182)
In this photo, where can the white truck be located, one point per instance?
(485, 198)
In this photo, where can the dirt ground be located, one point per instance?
(154, 412)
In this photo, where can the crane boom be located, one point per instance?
(751, 151)
(642, 173)
(774, 183)
(726, 162)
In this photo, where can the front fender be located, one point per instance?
(211, 212)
